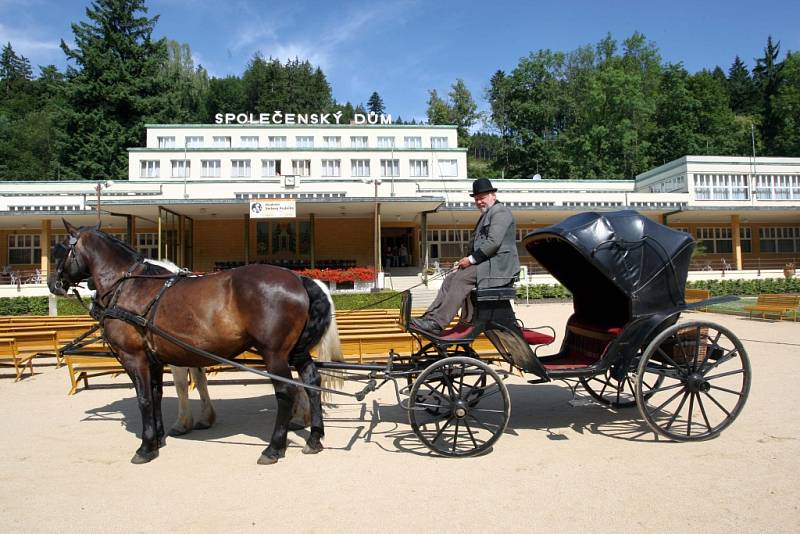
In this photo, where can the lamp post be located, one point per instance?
(377, 232)
(99, 187)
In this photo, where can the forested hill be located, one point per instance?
(610, 110)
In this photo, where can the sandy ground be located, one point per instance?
(65, 462)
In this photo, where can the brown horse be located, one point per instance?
(269, 310)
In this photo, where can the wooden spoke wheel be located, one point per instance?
(459, 406)
(609, 391)
(704, 376)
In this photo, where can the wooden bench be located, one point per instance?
(65, 332)
(35, 343)
(777, 304)
(9, 356)
(696, 295)
(82, 368)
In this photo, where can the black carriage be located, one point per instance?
(622, 343)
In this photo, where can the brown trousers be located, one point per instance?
(454, 294)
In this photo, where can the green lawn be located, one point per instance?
(737, 308)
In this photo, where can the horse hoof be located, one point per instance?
(139, 459)
(267, 460)
(312, 449)
(176, 431)
(201, 426)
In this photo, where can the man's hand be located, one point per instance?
(463, 263)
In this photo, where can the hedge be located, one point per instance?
(747, 287)
(543, 291)
(38, 306)
(352, 301)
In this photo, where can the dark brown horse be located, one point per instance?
(269, 310)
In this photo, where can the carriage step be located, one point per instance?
(538, 381)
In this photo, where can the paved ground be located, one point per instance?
(64, 462)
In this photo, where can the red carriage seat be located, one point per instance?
(584, 345)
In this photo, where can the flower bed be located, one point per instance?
(355, 274)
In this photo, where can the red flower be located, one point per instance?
(355, 274)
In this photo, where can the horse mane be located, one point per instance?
(151, 266)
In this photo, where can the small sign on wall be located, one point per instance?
(272, 208)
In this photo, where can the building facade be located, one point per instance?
(360, 194)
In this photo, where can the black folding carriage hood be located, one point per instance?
(617, 265)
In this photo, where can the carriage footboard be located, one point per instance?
(515, 350)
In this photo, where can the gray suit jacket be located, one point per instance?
(494, 247)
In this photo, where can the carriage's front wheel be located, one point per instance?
(704, 375)
(459, 406)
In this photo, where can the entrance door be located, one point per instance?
(397, 245)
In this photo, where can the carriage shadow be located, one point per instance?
(544, 408)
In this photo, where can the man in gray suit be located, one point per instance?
(492, 262)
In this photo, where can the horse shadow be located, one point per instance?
(240, 421)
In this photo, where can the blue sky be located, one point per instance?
(402, 49)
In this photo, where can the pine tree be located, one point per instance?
(375, 104)
(768, 77)
(115, 87)
(13, 69)
(741, 89)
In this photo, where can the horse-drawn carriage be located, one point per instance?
(623, 343)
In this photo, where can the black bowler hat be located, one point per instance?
(482, 185)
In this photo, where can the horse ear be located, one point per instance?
(71, 229)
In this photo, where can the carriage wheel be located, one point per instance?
(459, 406)
(705, 376)
(609, 391)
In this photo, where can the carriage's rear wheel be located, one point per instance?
(609, 391)
(459, 406)
(705, 380)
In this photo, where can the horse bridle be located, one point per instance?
(62, 254)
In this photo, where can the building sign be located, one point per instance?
(271, 208)
(279, 117)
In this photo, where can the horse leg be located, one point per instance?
(139, 370)
(157, 384)
(301, 410)
(184, 422)
(284, 394)
(310, 376)
(207, 414)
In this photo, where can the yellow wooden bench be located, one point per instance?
(696, 295)
(65, 332)
(82, 368)
(9, 356)
(777, 304)
(35, 343)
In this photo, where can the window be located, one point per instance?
(412, 142)
(777, 187)
(180, 168)
(166, 142)
(147, 245)
(301, 167)
(270, 167)
(210, 168)
(249, 141)
(719, 240)
(450, 243)
(674, 184)
(418, 167)
(448, 167)
(390, 167)
(720, 186)
(439, 142)
(304, 141)
(276, 141)
(240, 168)
(385, 142)
(358, 141)
(332, 141)
(359, 167)
(24, 249)
(221, 141)
(194, 141)
(150, 169)
(331, 167)
(781, 239)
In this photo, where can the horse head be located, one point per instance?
(71, 267)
